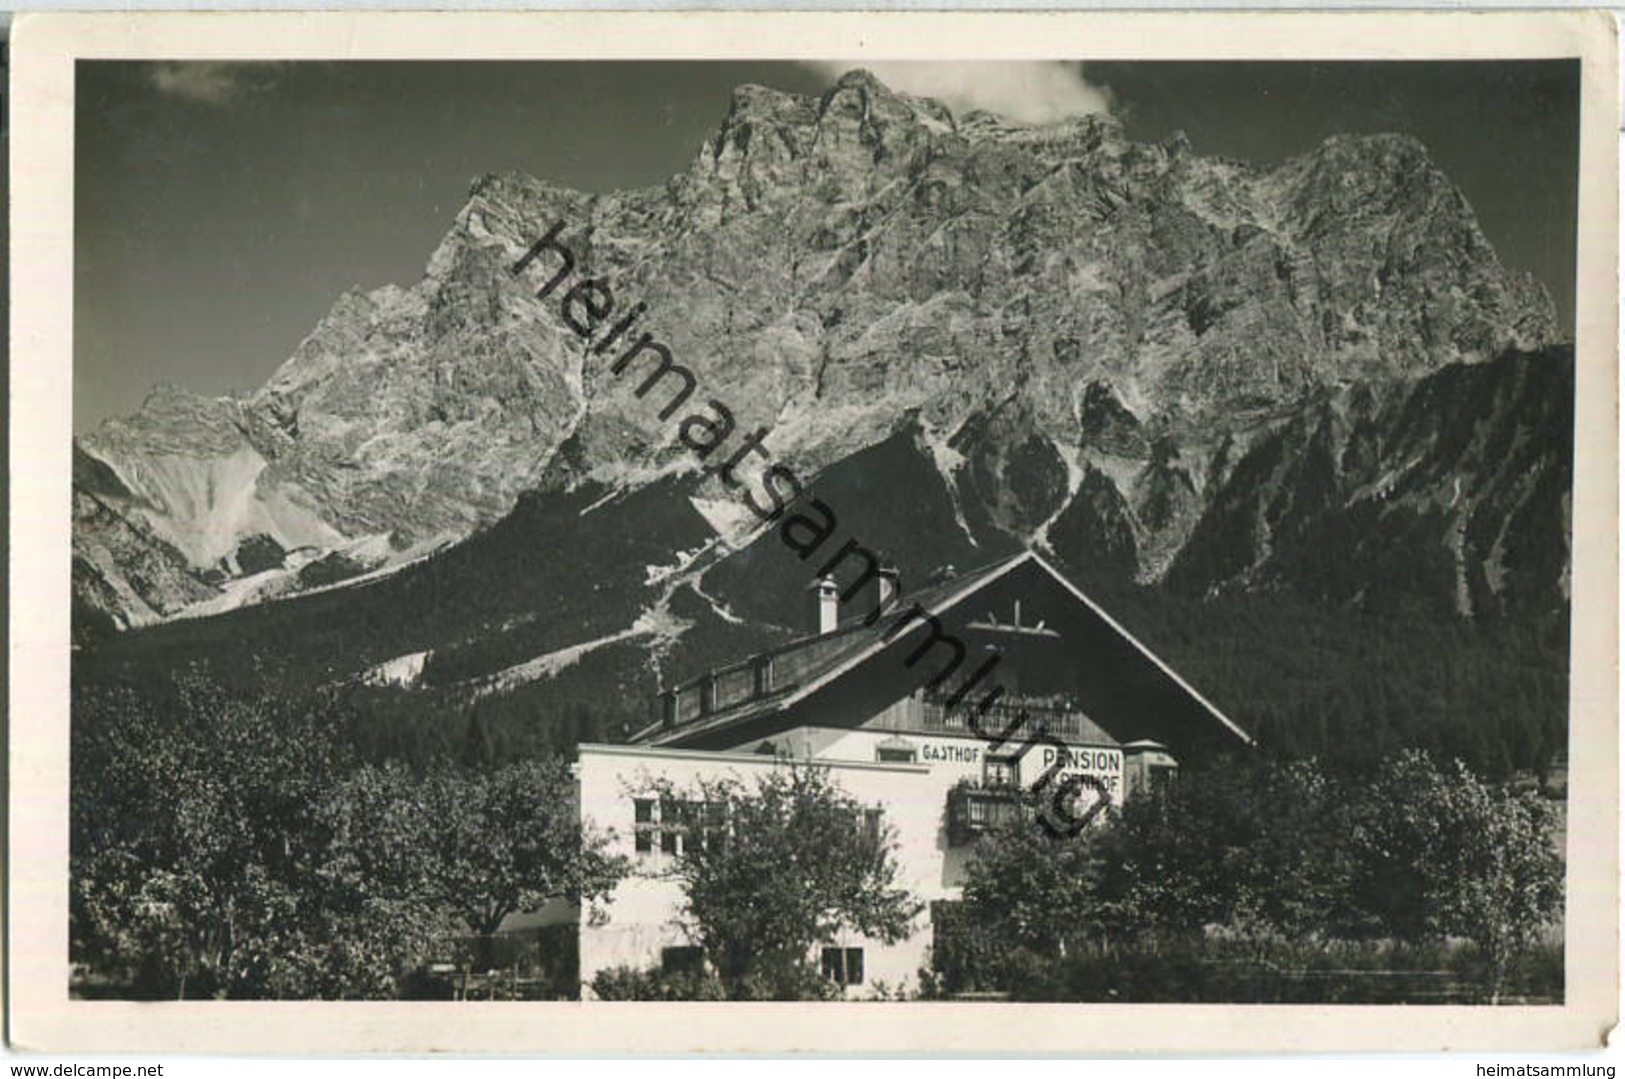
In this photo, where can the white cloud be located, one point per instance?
(1025, 91)
(207, 82)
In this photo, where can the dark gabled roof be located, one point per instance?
(805, 666)
(813, 657)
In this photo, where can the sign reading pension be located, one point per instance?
(1103, 766)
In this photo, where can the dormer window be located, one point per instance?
(896, 750)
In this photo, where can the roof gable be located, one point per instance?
(843, 677)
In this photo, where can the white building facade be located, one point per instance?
(933, 718)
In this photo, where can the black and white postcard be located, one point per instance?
(562, 526)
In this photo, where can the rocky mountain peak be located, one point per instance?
(1177, 144)
(860, 78)
(825, 266)
(1367, 175)
(1382, 149)
(173, 420)
(859, 92)
(751, 103)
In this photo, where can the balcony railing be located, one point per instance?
(1057, 719)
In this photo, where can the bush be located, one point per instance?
(1279, 971)
(767, 981)
(651, 983)
(1270, 881)
(786, 981)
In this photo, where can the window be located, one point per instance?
(1162, 778)
(682, 959)
(871, 825)
(671, 825)
(843, 966)
(999, 771)
(644, 825)
(708, 825)
(895, 750)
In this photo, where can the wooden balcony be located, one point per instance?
(975, 810)
(1059, 720)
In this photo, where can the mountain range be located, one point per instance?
(966, 335)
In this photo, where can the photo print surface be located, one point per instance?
(651, 531)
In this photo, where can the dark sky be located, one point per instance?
(221, 209)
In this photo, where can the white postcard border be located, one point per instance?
(44, 49)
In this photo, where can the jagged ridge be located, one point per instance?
(839, 266)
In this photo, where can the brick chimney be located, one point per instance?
(824, 605)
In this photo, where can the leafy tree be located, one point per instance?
(1254, 845)
(1286, 863)
(510, 840)
(1443, 852)
(1031, 889)
(213, 852)
(771, 872)
(227, 845)
(1250, 846)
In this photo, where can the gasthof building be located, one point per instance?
(884, 703)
